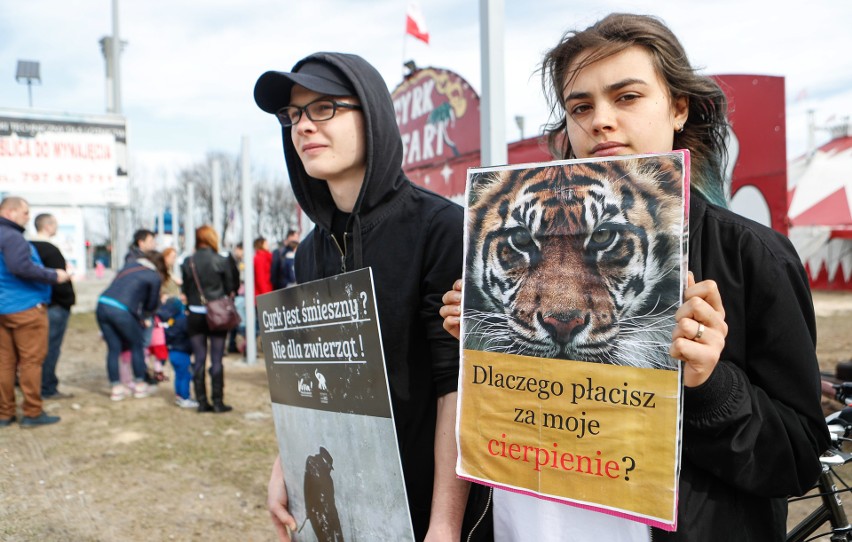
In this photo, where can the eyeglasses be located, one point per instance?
(317, 111)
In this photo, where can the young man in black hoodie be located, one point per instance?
(344, 156)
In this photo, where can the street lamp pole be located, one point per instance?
(28, 70)
(111, 47)
(116, 64)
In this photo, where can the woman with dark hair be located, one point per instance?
(122, 311)
(698, 99)
(207, 272)
(753, 428)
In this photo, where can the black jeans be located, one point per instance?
(198, 337)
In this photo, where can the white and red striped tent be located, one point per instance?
(820, 213)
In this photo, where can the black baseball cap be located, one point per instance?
(272, 90)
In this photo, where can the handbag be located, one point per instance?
(221, 313)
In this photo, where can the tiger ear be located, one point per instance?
(661, 171)
(482, 183)
(671, 165)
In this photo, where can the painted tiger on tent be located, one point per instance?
(578, 261)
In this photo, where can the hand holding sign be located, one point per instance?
(699, 336)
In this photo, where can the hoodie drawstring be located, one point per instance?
(343, 251)
(356, 242)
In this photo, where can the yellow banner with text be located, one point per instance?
(593, 434)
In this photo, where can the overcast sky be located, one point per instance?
(189, 67)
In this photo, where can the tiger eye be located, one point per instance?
(521, 238)
(602, 238)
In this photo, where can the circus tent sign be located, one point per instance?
(821, 213)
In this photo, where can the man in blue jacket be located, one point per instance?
(24, 297)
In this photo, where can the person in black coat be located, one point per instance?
(207, 275)
(62, 298)
(344, 158)
(745, 335)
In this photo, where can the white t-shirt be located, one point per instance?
(521, 518)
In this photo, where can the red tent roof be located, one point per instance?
(823, 186)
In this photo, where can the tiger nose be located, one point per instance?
(565, 326)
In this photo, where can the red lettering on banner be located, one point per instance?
(14, 147)
(100, 179)
(42, 149)
(83, 151)
(62, 178)
(35, 177)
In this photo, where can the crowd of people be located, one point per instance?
(169, 316)
(148, 316)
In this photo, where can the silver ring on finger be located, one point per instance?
(700, 331)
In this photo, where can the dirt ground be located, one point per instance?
(143, 469)
(139, 469)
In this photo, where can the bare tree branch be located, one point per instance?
(273, 205)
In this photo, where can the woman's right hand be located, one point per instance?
(276, 502)
(451, 311)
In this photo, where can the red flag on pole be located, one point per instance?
(415, 24)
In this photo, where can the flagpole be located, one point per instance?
(492, 116)
(415, 26)
(402, 64)
(404, 42)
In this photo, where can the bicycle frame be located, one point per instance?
(830, 510)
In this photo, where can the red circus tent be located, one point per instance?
(820, 213)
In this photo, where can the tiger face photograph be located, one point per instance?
(579, 261)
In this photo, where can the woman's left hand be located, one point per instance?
(700, 330)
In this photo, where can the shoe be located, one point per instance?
(204, 406)
(120, 392)
(220, 407)
(57, 395)
(41, 419)
(7, 422)
(189, 402)
(142, 390)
